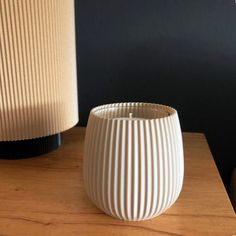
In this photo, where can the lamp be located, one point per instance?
(38, 84)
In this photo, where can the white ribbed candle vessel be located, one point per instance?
(133, 163)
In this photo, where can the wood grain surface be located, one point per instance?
(45, 196)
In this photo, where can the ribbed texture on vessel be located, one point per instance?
(38, 85)
(133, 169)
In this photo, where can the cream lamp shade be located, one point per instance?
(38, 82)
(133, 160)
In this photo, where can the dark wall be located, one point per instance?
(180, 53)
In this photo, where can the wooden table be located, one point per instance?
(45, 196)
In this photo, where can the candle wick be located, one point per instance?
(130, 115)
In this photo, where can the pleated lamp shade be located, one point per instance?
(133, 164)
(38, 84)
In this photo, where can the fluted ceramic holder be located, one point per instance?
(133, 163)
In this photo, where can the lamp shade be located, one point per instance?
(133, 160)
(38, 84)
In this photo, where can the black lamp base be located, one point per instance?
(30, 147)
